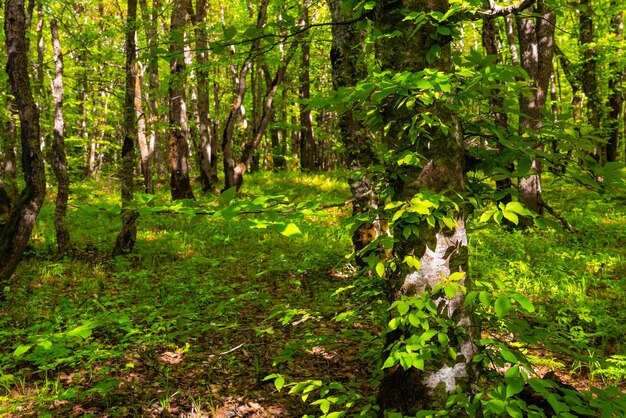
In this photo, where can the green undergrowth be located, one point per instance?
(225, 291)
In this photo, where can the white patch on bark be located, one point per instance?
(446, 375)
(435, 263)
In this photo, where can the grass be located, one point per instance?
(206, 307)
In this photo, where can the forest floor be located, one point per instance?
(211, 304)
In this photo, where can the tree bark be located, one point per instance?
(206, 151)
(58, 161)
(536, 38)
(145, 150)
(128, 234)
(616, 95)
(152, 95)
(346, 72)
(16, 232)
(307, 141)
(442, 251)
(180, 184)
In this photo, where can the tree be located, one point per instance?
(178, 148)
(16, 232)
(58, 161)
(128, 234)
(307, 141)
(429, 252)
(536, 40)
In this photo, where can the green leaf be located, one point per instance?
(21, 349)
(290, 230)
(227, 195)
(514, 386)
(502, 306)
(325, 406)
(508, 355)
(279, 382)
(406, 232)
(511, 217)
(380, 269)
(523, 301)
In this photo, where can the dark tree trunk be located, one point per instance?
(57, 151)
(496, 102)
(442, 251)
(16, 232)
(589, 77)
(536, 38)
(128, 234)
(307, 141)
(179, 131)
(9, 160)
(346, 72)
(616, 96)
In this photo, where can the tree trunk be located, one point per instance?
(589, 77)
(536, 38)
(307, 141)
(442, 251)
(57, 152)
(128, 234)
(145, 151)
(207, 154)
(152, 94)
(16, 232)
(179, 131)
(346, 72)
(616, 95)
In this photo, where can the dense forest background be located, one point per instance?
(431, 222)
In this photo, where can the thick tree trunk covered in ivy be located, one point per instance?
(128, 234)
(58, 161)
(180, 184)
(345, 50)
(441, 250)
(536, 39)
(16, 232)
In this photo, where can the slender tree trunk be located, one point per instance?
(206, 153)
(151, 17)
(145, 151)
(128, 234)
(442, 251)
(536, 38)
(180, 184)
(496, 101)
(58, 161)
(9, 161)
(616, 95)
(307, 141)
(346, 72)
(589, 77)
(16, 232)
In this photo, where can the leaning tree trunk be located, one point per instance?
(57, 152)
(128, 234)
(346, 72)
(536, 39)
(180, 184)
(441, 250)
(16, 232)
